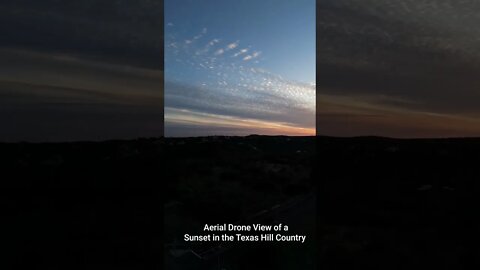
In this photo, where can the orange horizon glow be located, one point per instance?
(363, 116)
(242, 126)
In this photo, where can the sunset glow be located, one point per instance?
(252, 80)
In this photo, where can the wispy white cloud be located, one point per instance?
(207, 47)
(232, 46)
(252, 56)
(242, 51)
(219, 52)
(248, 57)
(201, 34)
(213, 41)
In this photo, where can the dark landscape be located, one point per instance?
(241, 180)
(184, 181)
(381, 203)
(398, 203)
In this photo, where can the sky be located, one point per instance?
(93, 70)
(80, 70)
(406, 68)
(239, 67)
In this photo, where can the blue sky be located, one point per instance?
(239, 67)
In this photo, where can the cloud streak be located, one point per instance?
(252, 56)
(232, 46)
(417, 57)
(242, 51)
(76, 99)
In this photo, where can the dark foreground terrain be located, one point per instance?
(107, 200)
(380, 203)
(398, 204)
(242, 180)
